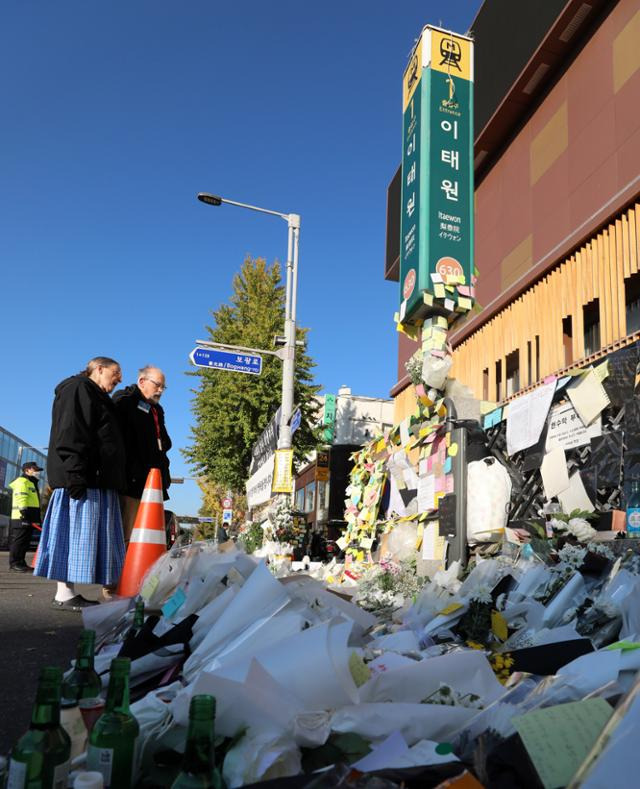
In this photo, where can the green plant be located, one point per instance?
(252, 537)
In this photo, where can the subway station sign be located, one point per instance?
(437, 171)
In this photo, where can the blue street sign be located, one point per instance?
(232, 361)
(296, 419)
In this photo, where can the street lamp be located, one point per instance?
(288, 351)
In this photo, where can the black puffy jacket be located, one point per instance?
(141, 439)
(86, 446)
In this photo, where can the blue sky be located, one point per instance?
(115, 114)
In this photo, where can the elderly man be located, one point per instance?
(146, 439)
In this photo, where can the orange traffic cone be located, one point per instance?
(148, 539)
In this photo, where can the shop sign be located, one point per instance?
(329, 417)
(322, 467)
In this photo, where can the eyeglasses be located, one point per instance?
(157, 384)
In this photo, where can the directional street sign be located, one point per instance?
(296, 419)
(232, 361)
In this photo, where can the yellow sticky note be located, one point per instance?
(499, 626)
(602, 371)
(450, 609)
(428, 299)
(453, 449)
(447, 440)
(464, 303)
(438, 291)
(150, 586)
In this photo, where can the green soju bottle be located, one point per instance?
(198, 765)
(113, 738)
(138, 616)
(83, 682)
(137, 624)
(40, 759)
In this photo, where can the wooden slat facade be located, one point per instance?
(598, 270)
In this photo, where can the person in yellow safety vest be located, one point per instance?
(25, 513)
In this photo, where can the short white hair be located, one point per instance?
(144, 371)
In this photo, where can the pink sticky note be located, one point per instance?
(464, 290)
(449, 483)
(550, 379)
(441, 484)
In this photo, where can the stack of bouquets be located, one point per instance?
(286, 529)
(304, 679)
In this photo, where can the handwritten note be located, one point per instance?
(426, 493)
(559, 738)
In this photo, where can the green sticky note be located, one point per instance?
(625, 646)
(559, 738)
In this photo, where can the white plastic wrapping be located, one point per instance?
(488, 497)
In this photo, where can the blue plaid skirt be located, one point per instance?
(82, 540)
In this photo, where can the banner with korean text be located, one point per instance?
(436, 241)
(283, 471)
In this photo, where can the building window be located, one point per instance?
(513, 373)
(485, 383)
(498, 381)
(567, 340)
(300, 500)
(591, 312)
(537, 370)
(632, 300)
(310, 497)
(323, 500)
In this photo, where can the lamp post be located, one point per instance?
(288, 355)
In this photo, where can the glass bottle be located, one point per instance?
(198, 764)
(83, 681)
(138, 616)
(633, 510)
(40, 758)
(113, 738)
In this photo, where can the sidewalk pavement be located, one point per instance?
(32, 635)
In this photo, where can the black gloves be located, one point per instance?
(77, 491)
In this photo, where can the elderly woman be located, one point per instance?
(82, 539)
